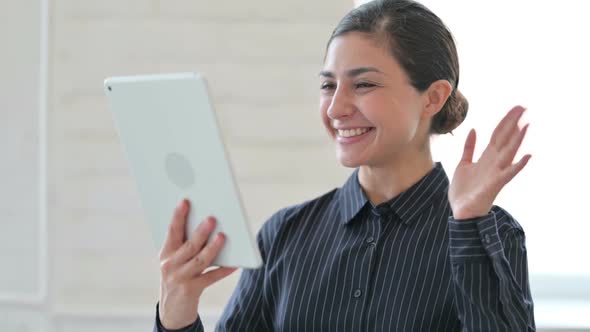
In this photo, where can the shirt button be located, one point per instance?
(357, 293)
(370, 239)
(487, 238)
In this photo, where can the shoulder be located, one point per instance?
(294, 215)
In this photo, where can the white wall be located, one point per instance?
(22, 278)
(19, 173)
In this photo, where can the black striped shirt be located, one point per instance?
(338, 263)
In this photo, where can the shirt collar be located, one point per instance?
(406, 205)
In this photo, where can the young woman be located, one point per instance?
(397, 247)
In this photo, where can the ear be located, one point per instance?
(435, 97)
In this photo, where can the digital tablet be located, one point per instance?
(169, 132)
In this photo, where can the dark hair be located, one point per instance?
(420, 42)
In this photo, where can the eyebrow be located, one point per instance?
(352, 72)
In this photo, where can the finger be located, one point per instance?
(196, 242)
(506, 126)
(510, 126)
(469, 146)
(203, 259)
(501, 125)
(509, 173)
(210, 277)
(509, 151)
(176, 230)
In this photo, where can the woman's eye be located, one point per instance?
(327, 86)
(364, 85)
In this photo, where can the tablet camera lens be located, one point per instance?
(109, 87)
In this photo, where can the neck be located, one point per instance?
(384, 182)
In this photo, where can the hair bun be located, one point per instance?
(451, 115)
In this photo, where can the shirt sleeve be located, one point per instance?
(197, 326)
(490, 273)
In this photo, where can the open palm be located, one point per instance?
(475, 185)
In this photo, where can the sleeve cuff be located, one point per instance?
(474, 239)
(197, 326)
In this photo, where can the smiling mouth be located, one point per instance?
(348, 133)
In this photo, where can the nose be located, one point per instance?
(341, 105)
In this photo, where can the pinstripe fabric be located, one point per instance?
(338, 263)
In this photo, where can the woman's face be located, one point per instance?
(367, 103)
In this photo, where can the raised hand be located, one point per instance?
(476, 185)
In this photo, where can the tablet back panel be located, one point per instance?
(169, 132)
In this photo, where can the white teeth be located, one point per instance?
(352, 132)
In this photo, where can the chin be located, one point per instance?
(349, 165)
(349, 161)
